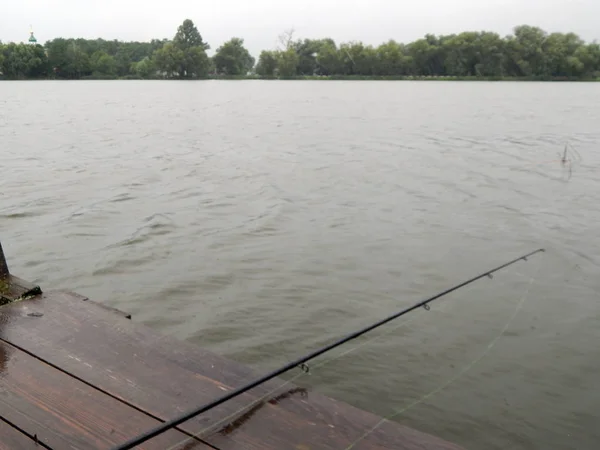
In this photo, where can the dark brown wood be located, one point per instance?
(13, 439)
(157, 374)
(65, 413)
(165, 377)
(100, 305)
(3, 265)
(316, 421)
(13, 288)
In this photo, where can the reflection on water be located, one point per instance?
(261, 220)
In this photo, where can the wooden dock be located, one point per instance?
(75, 374)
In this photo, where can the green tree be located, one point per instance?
(169, 60)
(38, 67)
(589, 56)
(307, 51)
(196, 63)
(57, 57)
(329, 60)
(186, 56)
(20, 61)
(102, 63)
(123, 59)
(428, 55)
(287, 63)
(78, 62)
(560, 52)
(145, 68)
(526, 50)
(358, 59)
(492, 55)
(391, 60)
(188, 36)
(267, 64)
(232, 58)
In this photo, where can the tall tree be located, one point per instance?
(102, 63)
(528, 50)
(78, 62)
(287, 63)
(307, 51)
(267, 63)
(169, 60)
(186, 56)
(358, 59)
(232, 58)
(57, 57)
(195, 63)
(391, 59)
(329, 60)
(20, 61)
(188, 36)
(145, 68)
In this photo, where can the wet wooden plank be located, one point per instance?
(11, 439)
(65, 413)
(83, 298)
(328, 425)
(13, 288)
(165, 377)
(160, 375)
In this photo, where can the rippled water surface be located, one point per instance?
(263, 219)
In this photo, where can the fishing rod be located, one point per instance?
(301, 362)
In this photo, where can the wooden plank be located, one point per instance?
(11, 439)
(13, 288)
(157, 374)
(65, 413)
(83, 298)
(328, 425)
(165, 377)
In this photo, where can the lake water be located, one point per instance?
(263, 219)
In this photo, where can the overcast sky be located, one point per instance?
(259, 22)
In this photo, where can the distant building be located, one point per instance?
(32, 39)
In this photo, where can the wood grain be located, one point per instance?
(13, 439)
(65, 413)
(326, 424)
(166, 377)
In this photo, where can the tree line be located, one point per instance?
(528, 53)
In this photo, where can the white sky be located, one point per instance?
(259, 22)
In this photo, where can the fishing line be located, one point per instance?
(304, 359)
(295, 377)
(305, 370)
(465, 369)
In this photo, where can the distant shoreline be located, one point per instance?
(528, 54)
(320, 78)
